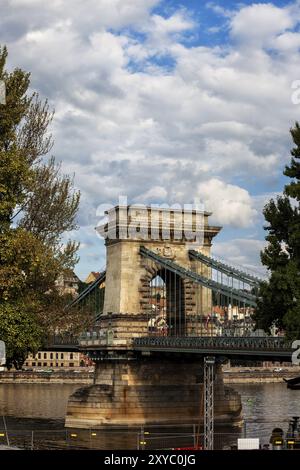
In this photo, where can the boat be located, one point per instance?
(293, 383)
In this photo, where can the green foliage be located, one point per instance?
(14, 174)
(27, 266)
(38, 205)
(20, 331)
(293, 171)
(51, 209)
(279, 298)
(14, 168)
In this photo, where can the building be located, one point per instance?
(68, 283)
(92, 277)
(57, 360)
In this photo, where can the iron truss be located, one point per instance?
(226, 269)
(88, 290)
(208, 383)
(228, 291)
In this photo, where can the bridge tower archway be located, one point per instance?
(129, 276)
(167, 299)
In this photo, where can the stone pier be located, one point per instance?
(150, 391)
(131, 389)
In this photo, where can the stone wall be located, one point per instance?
(46, 377)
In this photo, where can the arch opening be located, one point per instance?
(167, 298)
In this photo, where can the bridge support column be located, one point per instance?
(208, 384)
(152, 390)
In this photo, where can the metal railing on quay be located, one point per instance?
(156, 437)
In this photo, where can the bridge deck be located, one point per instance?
(244, 348)
(248, 348)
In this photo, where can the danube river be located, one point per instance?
(35, 413)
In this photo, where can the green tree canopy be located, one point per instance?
(279, 297)
(38, 206)
(20, 330)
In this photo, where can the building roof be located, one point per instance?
(92, 276)
(95, 273)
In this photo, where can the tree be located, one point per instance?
(50, 209)
(38, 206)
(279, 297)
(21, 332)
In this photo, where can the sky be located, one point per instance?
(164, 102)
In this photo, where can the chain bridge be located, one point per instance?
(162, 308)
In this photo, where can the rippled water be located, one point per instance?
(266, 406)
(35, 400)
(41, 408)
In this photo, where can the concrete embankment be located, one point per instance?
(56, 377)
(84, 377)
(258, 376)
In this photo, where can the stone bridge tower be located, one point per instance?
(169, 233)
(129, 387)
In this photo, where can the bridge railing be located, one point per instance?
(103, 338)
(63, 339)
(268, 343)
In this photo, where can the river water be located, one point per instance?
(41, 408)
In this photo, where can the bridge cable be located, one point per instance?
(226, 269)
(199, 279)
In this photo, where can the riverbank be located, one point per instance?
(244, 376)
(233, 375)
(55, 377)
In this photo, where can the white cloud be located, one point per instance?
(140, 112)
(153, 195)
(218, 9)
(230, 204)
(288, 42)
(174, 24)
(95, 13)
(259, 23)
(243, 253)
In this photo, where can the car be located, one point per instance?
(278, 369)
